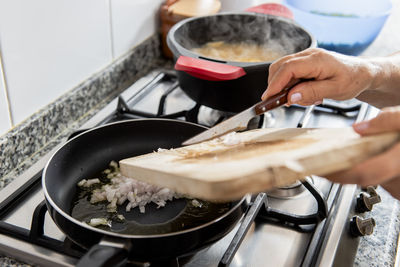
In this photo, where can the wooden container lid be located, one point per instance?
(192, 8)
(173, 11)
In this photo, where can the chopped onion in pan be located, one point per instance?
(121, 189)
(99, 221)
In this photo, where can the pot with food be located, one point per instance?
(222, 60)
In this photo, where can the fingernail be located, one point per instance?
(296, 97)
(318, 103)
(362, 126)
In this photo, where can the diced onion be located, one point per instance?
(99, 221)
(121, 189)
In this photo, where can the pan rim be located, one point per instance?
(109, 233)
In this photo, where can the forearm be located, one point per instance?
(384, 89)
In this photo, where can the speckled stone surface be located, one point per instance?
(379, 249)
(5, 261)
(27, 142)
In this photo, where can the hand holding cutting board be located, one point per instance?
(383, 169)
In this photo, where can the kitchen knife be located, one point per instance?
(240, 121)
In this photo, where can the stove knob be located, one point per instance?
(365, 202)
(361, 227)
(363, 188)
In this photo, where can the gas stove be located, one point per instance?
(308, 223)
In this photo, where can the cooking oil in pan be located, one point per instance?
(177, 215)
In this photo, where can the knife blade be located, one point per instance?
(240, 121)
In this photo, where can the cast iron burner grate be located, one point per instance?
(258, 210)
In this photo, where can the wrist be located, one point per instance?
(377, 73)
(383, 78)
(385, 72)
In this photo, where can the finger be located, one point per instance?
(375, 170)
(386, 121)
(278, 63)
(292, 69)
(311, 92)
(276, 66)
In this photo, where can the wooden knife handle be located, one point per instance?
(276, 100)
(272, 102)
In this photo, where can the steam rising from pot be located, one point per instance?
(277, 34)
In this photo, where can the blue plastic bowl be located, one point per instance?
(344, 26)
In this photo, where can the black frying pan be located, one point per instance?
(89, 153)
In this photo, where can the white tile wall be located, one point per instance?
(132, 22)
(5, 122)
(49, 47)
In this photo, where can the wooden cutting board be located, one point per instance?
(227, 168)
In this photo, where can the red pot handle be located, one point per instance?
(272, 9)
(208, 70)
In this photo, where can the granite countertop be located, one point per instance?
(380, 248)
(21, 147)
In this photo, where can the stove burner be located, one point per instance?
(295, 220)
(288, 191)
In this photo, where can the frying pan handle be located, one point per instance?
(272, 9)
(102, 255)
(208, 70)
